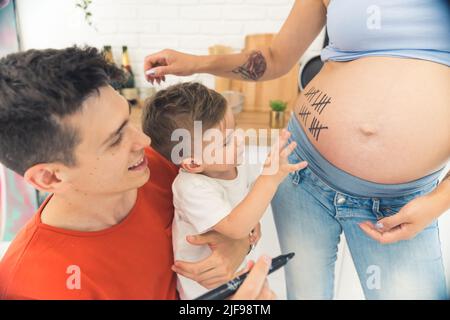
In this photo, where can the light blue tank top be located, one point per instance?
(398, 28)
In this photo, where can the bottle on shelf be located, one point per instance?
(129, 90)
(108, 55)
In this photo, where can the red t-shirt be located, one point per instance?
(131, 260)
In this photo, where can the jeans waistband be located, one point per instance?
(345, 182)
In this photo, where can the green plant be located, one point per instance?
(278, 105)
(84, 5)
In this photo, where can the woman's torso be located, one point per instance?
(382, 119)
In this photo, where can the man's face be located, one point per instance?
(110, 158)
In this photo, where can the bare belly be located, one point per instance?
(385, 120)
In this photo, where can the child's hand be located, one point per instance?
(277, 166)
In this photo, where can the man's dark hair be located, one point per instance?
(38, 90)
(179, 106)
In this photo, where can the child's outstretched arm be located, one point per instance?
(242, 219)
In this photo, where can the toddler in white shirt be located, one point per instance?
(214, 190)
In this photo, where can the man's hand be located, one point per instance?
(256, 287)
(220, 266)
(411, 219)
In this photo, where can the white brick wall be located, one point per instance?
(148, 26)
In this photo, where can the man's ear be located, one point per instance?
(44, 177)
(191, 166)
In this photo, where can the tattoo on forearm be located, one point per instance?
(254, 68)
(317, 101)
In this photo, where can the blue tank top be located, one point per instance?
(398, 28)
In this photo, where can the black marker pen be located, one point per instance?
(229, 288)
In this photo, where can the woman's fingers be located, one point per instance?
(398, 233)
(155, 59)
(156, 66)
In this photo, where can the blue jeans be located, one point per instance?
(310, 217)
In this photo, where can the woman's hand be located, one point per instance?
(167, 61)
(256, 287)
(227, 255)
(411, 219)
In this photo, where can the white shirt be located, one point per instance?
(200, 203)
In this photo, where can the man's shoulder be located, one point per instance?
(23, 264)
(39, 264)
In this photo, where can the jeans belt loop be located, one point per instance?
(376, 208)
(296, 177)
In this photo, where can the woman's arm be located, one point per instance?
(303, 24)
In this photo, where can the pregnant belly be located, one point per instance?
(385, 120)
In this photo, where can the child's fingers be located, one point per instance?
(284, 137)
(288, 150)
(298, 166)
(301, 165)
(277, 147)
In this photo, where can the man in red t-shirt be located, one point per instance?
(105, 231)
